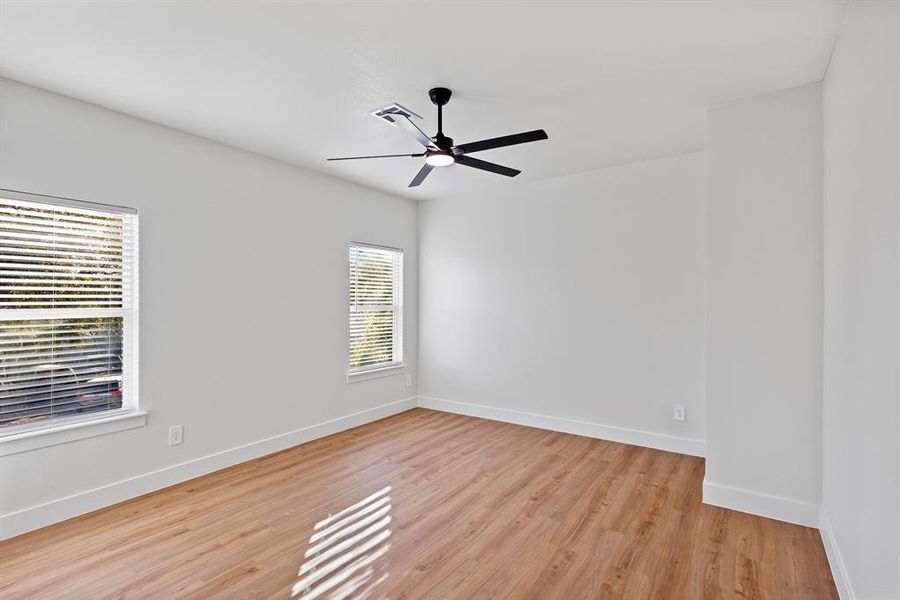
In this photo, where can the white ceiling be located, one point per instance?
(611, 82)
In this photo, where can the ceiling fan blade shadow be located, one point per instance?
(376, 156)
(421, 175)
(500, 142)
(468, 161)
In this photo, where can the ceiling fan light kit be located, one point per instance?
(439, 150)
(439, 159)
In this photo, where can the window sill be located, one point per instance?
(376, 373)
(69, 432)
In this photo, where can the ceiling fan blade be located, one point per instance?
(486, 166)
(374, 156)
(406, 124)
(506, 140)
(421, 175)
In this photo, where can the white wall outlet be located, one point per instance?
(176, 434)
(408, 380)
(678, 413)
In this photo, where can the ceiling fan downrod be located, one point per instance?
(441, 96)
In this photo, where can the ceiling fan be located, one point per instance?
(439, 150)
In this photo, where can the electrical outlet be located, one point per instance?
(408, 380)
(176, 434)
(678, 413)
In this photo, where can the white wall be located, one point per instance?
(764, 301)
(243, 293)
(578, 298)
(861, 491)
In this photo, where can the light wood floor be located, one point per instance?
(476, 509)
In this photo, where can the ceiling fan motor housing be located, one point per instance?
(443, 142)
(440, 95)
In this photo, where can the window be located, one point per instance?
(376, 307)
(68, 312)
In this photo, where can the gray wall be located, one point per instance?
(861, 492)
(578, 298)
(764, 298)
(243, 277)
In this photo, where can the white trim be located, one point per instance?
(763, 505)
(354, 376)
(35, 517)
(70, 429)
(835, 560)
(132, 328)
(37, 198)
(377, 246)
(636, 437)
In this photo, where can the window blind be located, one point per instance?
(67, 311)
(376, 307)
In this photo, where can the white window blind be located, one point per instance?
(67, 311)
(376, 307)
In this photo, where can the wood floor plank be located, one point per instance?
(473, 509)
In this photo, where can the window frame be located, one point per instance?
(397, 364)
(28, 436)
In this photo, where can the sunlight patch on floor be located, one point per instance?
(347, 554)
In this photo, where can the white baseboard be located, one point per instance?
(763, 505)
(35, 517)
(835, 560)
(659, 441)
